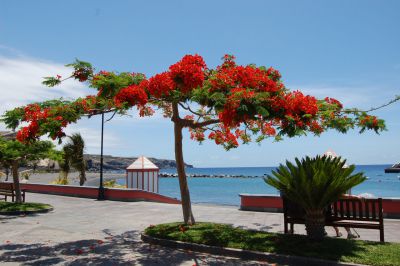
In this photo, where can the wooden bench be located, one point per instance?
(7, 190)
(351, 212)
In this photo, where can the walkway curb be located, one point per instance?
(244, 254)
(27, 212)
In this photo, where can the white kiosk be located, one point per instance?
(142, 174)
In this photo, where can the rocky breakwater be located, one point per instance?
(169, 175)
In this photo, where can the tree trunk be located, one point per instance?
(180, 167)
(7, 173)
(18, 197)
(315, 224)
(82, 177)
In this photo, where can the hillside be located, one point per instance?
(112, 163)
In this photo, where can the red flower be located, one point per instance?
(132, 95)
(182, 228)
(160, 85)
(188, 73)
(229, 75)
(334, 101)
(104, 73)
(81, 74)
(224, 137)
(145, 111)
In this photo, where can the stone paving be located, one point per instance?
(86, 231)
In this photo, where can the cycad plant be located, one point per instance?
(73, 151)
(314, 183)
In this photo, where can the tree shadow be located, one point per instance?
(123, 249)
(6, 218)
(329, 248)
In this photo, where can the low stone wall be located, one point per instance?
(92, 192)
(273, 203)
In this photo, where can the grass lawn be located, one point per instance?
(356, 251)
(22, 207)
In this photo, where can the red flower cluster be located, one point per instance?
(267, 128)
(28, 132)
(32, 112)
(334, 101)
(297, 104)
(224, 137)
(295, 109)
(316, 127)
(84, 105)
(145, 111)
(188, 73)
(369, 121)
(274, 74)
(160, 85)
(229, 75)
(53, 118)
(182, 228)
(81, 75)
(228, 116)
(133, 95)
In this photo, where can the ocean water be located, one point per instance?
(226, 190)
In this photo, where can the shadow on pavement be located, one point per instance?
(124, 249)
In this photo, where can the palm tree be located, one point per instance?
(73, 151)
(65, 166)
(314, 183)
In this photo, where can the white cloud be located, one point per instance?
(21, 82)
(350, 96)
(92, 137)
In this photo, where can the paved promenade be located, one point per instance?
(83, 231)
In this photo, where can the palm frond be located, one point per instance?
(316, 182)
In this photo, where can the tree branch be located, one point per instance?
(397, 98)
(192, 124)
(190, 110)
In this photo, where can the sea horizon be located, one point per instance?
(375, 164)
(226, 190)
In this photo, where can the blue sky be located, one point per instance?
(343, 49)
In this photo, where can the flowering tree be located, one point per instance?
(14, 152)
(228, 104)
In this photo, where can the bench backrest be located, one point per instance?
(344, 209)
(356, 209)
(6, 186)
(292, 209)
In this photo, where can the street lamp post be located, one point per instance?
(101, 187)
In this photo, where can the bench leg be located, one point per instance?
(291, 228)
(285, 227)
(381, 235)
(23, 196)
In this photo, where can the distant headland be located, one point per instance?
(114, 163)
